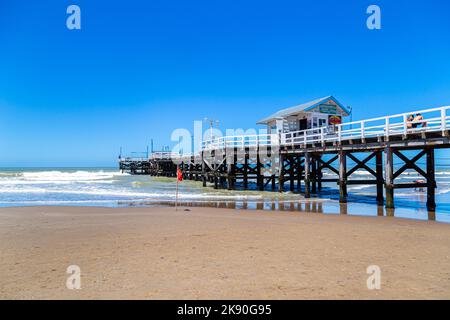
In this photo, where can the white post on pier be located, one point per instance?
(363, 133)
(322, 136)
(444, 121)
(405, 126)
(387, 131)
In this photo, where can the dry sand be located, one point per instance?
(157, 253)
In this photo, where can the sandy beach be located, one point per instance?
(205, 253)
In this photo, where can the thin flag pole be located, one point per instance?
(176, 195)
(179, 178)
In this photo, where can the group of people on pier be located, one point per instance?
(415, 121)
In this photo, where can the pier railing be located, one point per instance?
(241, 141)
(136, 156)
(164, 155)
(434, 120)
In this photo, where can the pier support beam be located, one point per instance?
(222, 181)
(431, 181)
(281, 173)
(314, 174)
(230, 184)
(389, 177)
(197, 169)
(203, 170)
(291, 173)
(307, 175)
(299, 173)
(231, 159)
(245, 168)
(319, 174)
(259, 175)
(379, 177)
(191, 169)
(342, 177)
(216, 179)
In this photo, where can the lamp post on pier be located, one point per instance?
(351, 116)
(211, 126)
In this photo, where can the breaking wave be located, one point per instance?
(109, 186)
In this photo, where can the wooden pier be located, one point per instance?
(297, 160)
(157, 164)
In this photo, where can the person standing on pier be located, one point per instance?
(409, 121)
(418, 119)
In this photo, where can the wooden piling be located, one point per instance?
(319, 173)
(191, 169)
(259, 175)
(379, 177)
(230, 184)
(307, 175)
(389, 177)
(431, 180)
(281, 173)
(314, 174)
(216, 180)
(203, 170)
(342, 177)
(291, 173)
(196, 172)
(245, 168)
(299, 173)
(222, 180)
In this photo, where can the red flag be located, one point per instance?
(179, 174)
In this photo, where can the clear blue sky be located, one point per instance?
(138, 69)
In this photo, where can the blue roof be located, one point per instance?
(302, 107)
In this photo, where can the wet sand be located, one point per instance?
(206, 253)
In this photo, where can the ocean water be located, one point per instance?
(108, 187)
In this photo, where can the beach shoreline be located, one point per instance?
(109, 188)
(218, 253)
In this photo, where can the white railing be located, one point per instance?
(164, 155)
(130, 158)
(154, 155)
(304, 137)
(241, 141)
(434, 120)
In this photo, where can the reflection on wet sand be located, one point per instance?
(432, 215)
(343, 208)
(260, 205)
(390, 212)
(309, 206)
(380, 211)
